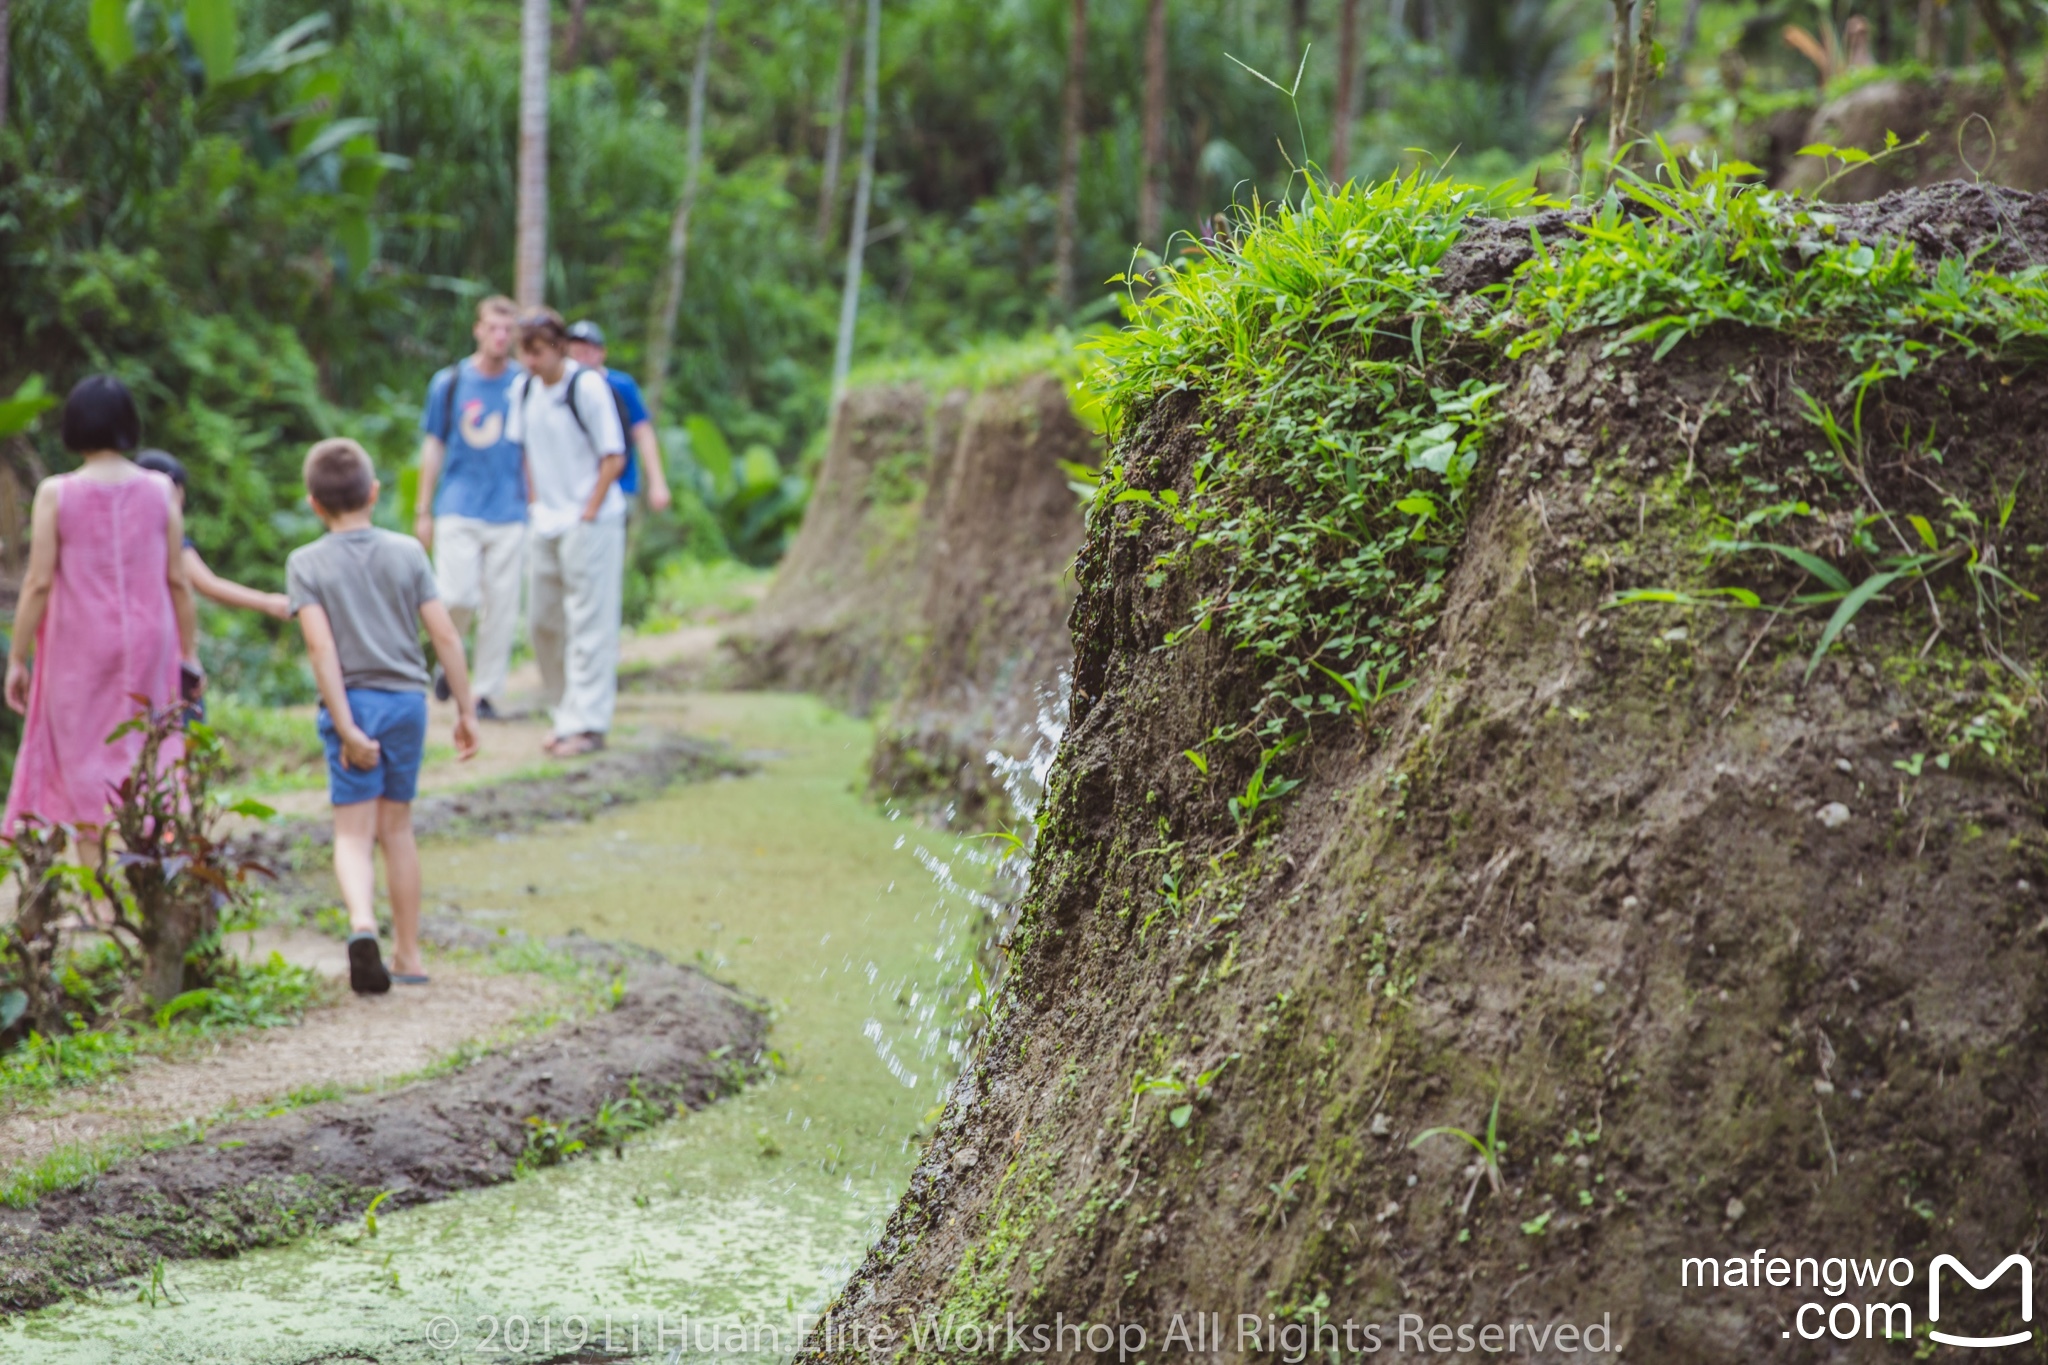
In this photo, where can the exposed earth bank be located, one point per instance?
(1740, 958)
(930, 581)
(675, 1038)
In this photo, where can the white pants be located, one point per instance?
(479, 565)
(573, 615)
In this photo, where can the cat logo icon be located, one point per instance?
(2026, 1269)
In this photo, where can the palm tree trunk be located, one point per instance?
(1153, 172)
(661, 331)
(835, 141)
(1064, 247)
(1348, 86)
(857, 238)
(530, 266)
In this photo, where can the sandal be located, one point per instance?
(575, 746)
(366, 974)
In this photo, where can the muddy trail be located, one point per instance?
(784, 882)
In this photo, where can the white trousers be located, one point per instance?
(573, 616)
(480, 566)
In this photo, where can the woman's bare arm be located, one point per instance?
(181, 586)
(35, 591)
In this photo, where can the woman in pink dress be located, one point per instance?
(105, 613)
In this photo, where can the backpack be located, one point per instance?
(629, 477)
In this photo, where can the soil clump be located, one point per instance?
(675, 1038)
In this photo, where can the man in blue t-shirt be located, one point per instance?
(472, 498)
(643, 463)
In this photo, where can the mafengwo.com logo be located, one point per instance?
(1864, 1299)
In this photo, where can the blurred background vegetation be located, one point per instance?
(273, 217)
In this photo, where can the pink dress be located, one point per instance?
(110, 633)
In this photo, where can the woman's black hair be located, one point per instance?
(165, 463)
(100, 414)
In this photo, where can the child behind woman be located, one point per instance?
(205, 581)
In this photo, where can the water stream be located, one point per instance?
(739, 1218)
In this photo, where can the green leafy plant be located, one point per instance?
(1490, 1148)
(547, 1144)
(1283, 1192)
(176, 869)
(1262, 787)
(30, 401)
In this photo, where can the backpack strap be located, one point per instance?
(576, 412)
(446, 428)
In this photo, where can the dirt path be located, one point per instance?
(674, 1039)
(350, 1043)
(510, 748)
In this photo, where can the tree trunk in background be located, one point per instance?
(835, 141)
(572, 44)
(1297, 25)
(1624, 71)
(661, 331)
(864, 189)
(1348, 84)
(1153, 171)
(1924, 33)
(1065, 246)
(6, 49)
(530, 267)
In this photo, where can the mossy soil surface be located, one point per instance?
(1742, 953)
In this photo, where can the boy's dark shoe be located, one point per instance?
(366, 974)
(486, 711)
(441, 692)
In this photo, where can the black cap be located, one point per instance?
(586, 330)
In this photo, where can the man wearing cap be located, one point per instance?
(586, 348)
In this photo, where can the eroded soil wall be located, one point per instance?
(930, 581)
(998, 589)
(1741, 965)
(841, 618)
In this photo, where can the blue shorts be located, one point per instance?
(398, 722)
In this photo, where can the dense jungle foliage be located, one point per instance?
(273, 217)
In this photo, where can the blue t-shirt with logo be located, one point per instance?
(634, 407)
(481, 474)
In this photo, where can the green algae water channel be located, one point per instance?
(712, 1234)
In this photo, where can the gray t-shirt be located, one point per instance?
(371, 584)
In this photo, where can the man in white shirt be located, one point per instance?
(564, 416)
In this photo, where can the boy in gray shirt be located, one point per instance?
(360, 595)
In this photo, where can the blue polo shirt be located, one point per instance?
(634, 408)
(481, 474)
